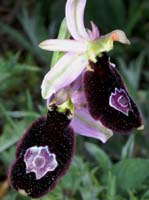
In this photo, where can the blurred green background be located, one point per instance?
(117, 170)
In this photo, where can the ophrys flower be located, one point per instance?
(84, 57)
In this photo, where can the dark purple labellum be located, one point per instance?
(108, 99)
(43, 155)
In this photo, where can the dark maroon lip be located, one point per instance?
(99, 85)
(54, 132)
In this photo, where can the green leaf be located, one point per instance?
(111, 187)
(128, 148)
(131, 173)
(145, 195)
(10, 196)
(132, 196)
(34, 28)
(8, 156)
(15, 35)
(13, 130)
(134, 16)
(132, 73)
(21, 197)
(99, 155)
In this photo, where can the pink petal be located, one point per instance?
(63, 45)
(84, 124)
(78, 98)
(95, 31)
(67, 69)
(75, 19)
(76, 85)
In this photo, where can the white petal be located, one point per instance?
(71, 19)
(63, 45)
(75, 19)
(67, 69)
(80, 7)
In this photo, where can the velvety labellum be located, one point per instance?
(108, 99)
(43, 155)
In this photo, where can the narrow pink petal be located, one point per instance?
(63, 45)
(84, 124)
(90, 34)
(95, 31)
(67, 69)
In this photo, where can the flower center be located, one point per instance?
(39, 162)
(119, 100)
(123, 101)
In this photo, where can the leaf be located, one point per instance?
(99, 155)
(132, 73)
(131, 196)
(13, 130)
(10, 196)
(145, 195)
(111, 187)
(126, 75)
(34, 28)
(15, 35)
(20, 114)
(131, 173)
(128, 148)
(11, 135)
(8, 156)
(21, 197)
(134, 16)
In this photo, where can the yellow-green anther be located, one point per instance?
(67, 105)
(96, 47)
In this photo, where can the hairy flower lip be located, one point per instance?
(105, 106)
(52, 131)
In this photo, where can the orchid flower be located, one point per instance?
(85, 94)
(84, 54)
